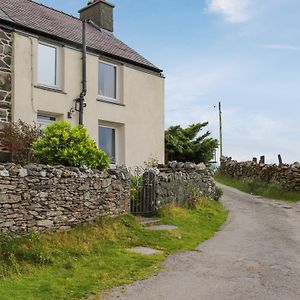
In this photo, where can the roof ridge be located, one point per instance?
(99, 40)
(52, 8)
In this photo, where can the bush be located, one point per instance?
(218, 194)
(69, 146)
(18, 138)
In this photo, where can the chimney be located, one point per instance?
(100, 12)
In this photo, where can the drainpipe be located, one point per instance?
(82, 104)
(32, 76)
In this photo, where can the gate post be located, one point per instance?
(148, 200)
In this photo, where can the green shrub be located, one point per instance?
(69, 146)
(218, 194)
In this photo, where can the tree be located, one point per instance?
(185, 144)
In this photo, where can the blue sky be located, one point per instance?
(245, 53)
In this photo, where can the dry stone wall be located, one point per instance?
(178, 181)
(44, 198)
(286, 174)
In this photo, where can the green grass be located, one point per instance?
(272, 190)
(90, 259)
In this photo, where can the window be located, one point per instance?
(43, 121)
(107, 81)
(107, 142)
(47, 65)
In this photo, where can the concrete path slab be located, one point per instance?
(145, 250)
(161, 227)
(146, 222)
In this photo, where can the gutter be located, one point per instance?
(13, 25)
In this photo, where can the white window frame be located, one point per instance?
(47, 116)
(101, 97)
(57, 66)
(116, 141)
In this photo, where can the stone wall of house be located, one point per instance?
(286, 174)
(177, 182)
(5, 74)
(44, 198)
(6, 53)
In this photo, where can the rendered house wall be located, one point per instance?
(139, 117)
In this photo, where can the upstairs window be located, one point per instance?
(107, 85)
(48, 65)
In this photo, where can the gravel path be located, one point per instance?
(256, 256)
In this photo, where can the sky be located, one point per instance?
(244, 53)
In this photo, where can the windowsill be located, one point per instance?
(100, 99)
(50, 89)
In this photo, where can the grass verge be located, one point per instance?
(272, 190)
(92, 258)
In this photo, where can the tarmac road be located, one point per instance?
(255, 256)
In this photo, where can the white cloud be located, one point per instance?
(252, 134)
(258, 116)
(246, 133)
(280, 47)
(235, 11)
(187, 94)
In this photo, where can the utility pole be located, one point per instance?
(221, 132)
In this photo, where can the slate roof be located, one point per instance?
(4, 16)
(40, 18)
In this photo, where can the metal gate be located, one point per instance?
(143, 200)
